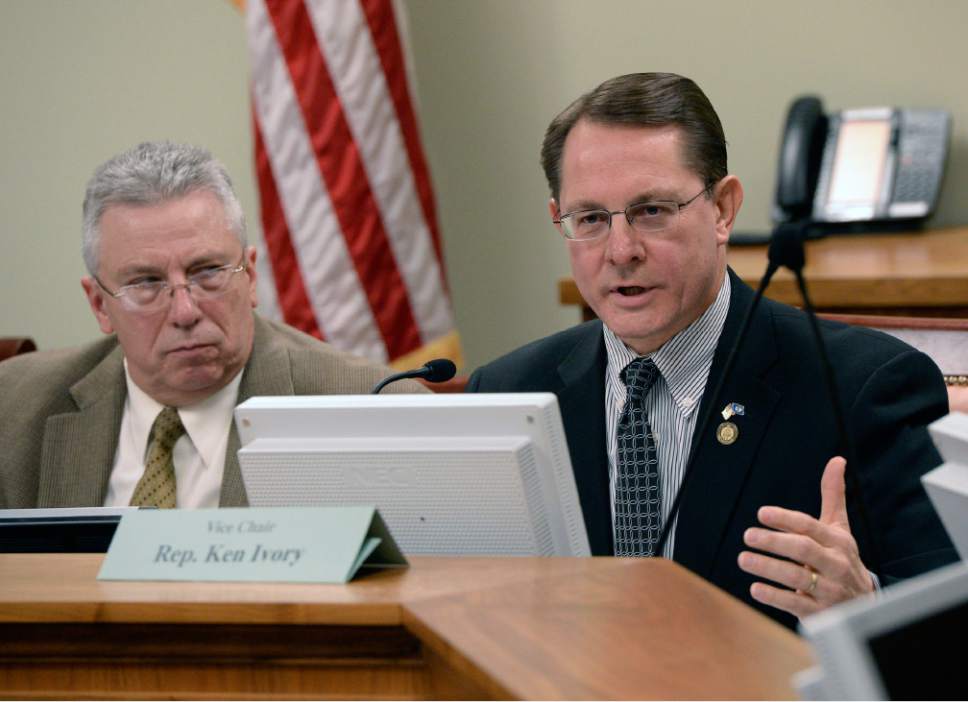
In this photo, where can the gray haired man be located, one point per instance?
(144, 415)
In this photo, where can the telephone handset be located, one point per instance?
(860, 166)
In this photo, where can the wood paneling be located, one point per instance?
(445, 628)
(620, 629)
(918, 273)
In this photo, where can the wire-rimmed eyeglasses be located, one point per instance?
(146, 295)
(651, 216)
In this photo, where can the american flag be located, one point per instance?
(347, 207)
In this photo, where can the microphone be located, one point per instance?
(436, 371)
(786, 249)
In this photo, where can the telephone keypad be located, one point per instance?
(922, 147)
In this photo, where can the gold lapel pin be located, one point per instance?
(728, 432)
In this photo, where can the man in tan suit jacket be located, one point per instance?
(172, 282)
(62, 411)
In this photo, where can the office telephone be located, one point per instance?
(860, 168)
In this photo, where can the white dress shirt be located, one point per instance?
(673, 402)
(198, 455)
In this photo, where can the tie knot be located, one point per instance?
(167, 428)
(638, 376)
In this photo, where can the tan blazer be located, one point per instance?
(60, 411)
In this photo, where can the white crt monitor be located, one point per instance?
(450, 473)
(947, 485)
(904, 643)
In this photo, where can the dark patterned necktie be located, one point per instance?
(638, 508)
(157, 485)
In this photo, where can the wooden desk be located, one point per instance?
(525, 628)
(917, 274)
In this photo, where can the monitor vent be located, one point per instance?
(535, 500)
(477, 503)
(561, 460)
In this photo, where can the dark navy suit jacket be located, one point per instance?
(889, 392)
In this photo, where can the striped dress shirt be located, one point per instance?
(672, 404)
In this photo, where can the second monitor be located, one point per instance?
(450, 474)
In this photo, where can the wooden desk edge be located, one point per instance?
(475, 664)
(920, 273)
(452, 670)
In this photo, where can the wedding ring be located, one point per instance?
(813, 581)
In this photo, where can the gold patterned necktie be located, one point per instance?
(157, 486)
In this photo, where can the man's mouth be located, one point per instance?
(630, 290)
(190, 348)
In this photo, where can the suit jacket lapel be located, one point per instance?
(582, 401)
(719, 471)
(268, 372)
(79, 447)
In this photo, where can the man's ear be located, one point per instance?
(95, 298)
(250, 256)
(729, 198)
(553, 208)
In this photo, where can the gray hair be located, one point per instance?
(151, 173)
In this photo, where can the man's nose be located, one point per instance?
(624, 244)
(184, 311)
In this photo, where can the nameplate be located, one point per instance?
(267, 544)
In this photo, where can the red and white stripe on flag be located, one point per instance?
(348, 212)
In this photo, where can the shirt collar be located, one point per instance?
(205, 422)
(685, 359)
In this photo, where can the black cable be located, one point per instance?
(786, 248)
(701, 430)
(850, 454)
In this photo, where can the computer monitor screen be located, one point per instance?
(899, 644)
(59, 529)
(450, 474)
(917, 660)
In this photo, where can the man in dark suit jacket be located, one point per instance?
(764, 514)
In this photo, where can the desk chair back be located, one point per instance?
(945, 340)
(13, 345)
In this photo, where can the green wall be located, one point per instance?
(82, 80)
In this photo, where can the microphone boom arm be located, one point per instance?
(786, 249)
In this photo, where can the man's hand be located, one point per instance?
(827, 568)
